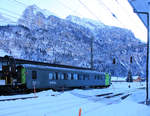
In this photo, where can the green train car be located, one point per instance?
(57, 78)
(30, 76)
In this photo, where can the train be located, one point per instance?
(22, 75)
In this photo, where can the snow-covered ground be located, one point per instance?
(68, 103)
(118, 78)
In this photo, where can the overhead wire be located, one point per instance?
(125, 11)
(89, 10)
(6, 10)
(100, 1)
(65, 6)
(23, 4)
(113, 14)
(9, 16)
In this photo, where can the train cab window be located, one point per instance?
(69, 76)
(34, 75)
(50, 76)
(75, 76)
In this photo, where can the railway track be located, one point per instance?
(122, 95)
(19, 98)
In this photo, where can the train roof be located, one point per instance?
(10, 59)
(30, 66)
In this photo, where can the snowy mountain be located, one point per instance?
(122, 44)
(68, 41)
(36, 10)
(89, 23)
(34, 17)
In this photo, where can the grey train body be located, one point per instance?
(59, 78)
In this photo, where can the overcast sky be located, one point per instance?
(110, 12)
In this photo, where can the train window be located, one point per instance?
(86, 77)
(83, 77)
(100, 77)
(97, 77)
(54, 75)
(62, 76)
(75, 76)
(65, 76)
(34, 74)
(80, 77)
(59, 76)
(69, 76)
(72, 76)
(50, 76)
(103, 76)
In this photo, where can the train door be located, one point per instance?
(6, 74)
(107, 80)
(21, 77)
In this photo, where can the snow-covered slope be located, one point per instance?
(36, 9)
(89, 23)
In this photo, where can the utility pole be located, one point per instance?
(142, 8)
(92, 40)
